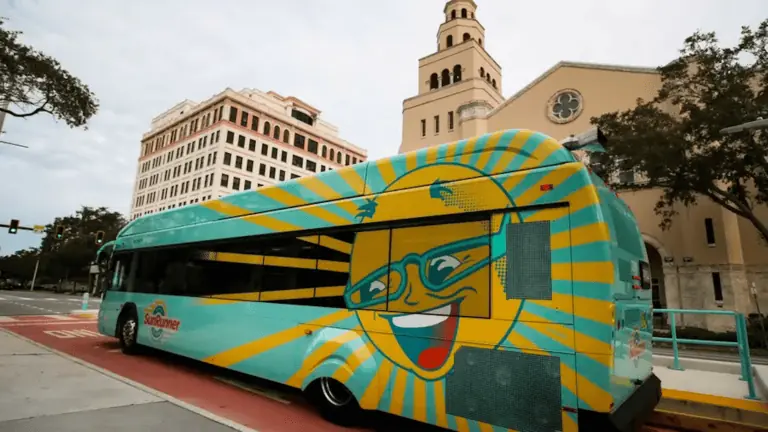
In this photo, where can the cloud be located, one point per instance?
(354, 60)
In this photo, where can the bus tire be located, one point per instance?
(335, 402)
(127, 331)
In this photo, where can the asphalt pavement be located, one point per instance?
(17, 302)
(43, 391)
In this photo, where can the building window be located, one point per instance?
(233, 114)
(312, 146)
(710, 230)
(282, 175)
(236, 183)
(456, 73)
(297, 161)
(423, 127)
(437, 124)
(338, 158)
(267, 128)
(298, 141)
(294, 176)
(262, 169)
(239, 162)
(311, 166)
(450, 120)
(333, 153)
(227, 158)
(274, 153)
(230, 137)
(325, 151)
(272, 172)
(434, 81)
(453, 14)
(286, 136)
(244, 119)
(449, 41)
(445, 77)
(718, 287)
(249, 166)
(247, 185)
(467, 37)
(241, 141)
(264, 149)
(252, 145)
(225, 180)
(346, 160)
(255, 123)
(284, 156)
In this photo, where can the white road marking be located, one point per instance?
(47, 323)
(2, 298)
(7, 319)
(69, 334)
(59, 317)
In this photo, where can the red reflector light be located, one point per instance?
(569, 409)
(636, 277)
(637, 287)
(546, 187)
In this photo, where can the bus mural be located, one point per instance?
(493, 283)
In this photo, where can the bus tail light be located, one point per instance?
(546, 187)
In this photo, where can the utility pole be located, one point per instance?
(34, 274)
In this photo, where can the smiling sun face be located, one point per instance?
(414, 298)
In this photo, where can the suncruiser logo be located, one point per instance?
(156, 318)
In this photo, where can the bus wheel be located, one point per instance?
(129, 328)
(336, 403)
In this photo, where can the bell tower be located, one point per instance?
(458, 84)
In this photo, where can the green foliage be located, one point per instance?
(36, 83)
(70, 257)
(674, 142)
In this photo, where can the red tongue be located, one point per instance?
(433, 358)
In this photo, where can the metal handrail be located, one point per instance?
(742, 342)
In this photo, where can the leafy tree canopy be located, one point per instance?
(70, 257)
(33, 83)
(673, 142)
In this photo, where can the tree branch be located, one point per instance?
(37, 110)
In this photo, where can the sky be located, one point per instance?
(354, 60)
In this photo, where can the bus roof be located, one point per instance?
(489, 154)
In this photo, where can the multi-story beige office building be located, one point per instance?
(709, 259)
(234, 141)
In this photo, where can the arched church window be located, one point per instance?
(463, 13)
(457, 73)
(453, 14)
(445, 77)
(480, 41)
(449, 41)
(482, 72)
(276, 134)
(494, 83)
(286, 136)
(433, 82)
(466, 37)
(565, 106)
(267, 128)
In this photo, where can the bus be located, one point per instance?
(493, 283)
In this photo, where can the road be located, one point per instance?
(15, 303)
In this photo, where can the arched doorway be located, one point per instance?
(659, 294)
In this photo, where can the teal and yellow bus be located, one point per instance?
(489, 284)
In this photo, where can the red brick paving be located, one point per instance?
(176, 377)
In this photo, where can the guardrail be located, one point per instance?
(742, 342)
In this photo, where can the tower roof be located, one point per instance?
(452, 2)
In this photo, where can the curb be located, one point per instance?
(168, 398)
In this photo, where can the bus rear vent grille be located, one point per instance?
(529, 261)
(506, 388)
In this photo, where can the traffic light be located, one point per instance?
(13, 228)
(59, 232)
(99, 237)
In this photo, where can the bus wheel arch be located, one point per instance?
(127, 329)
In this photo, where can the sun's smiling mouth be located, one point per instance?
(427, 337)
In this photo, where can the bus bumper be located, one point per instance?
(633, 412)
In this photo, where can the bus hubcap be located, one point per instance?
(334, 392)
(129, 331)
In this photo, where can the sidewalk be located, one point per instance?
(41, 390)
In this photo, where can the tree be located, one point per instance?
(674, 142)
(70, 257)
(36, 83)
